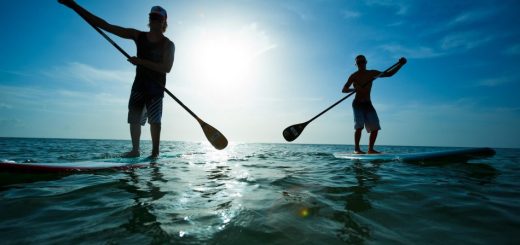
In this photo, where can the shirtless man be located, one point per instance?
(364, 113)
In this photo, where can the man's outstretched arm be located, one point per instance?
(390, 73)
(127, 33)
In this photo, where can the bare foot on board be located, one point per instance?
(153, 156)
(131, 154)
(373, 152)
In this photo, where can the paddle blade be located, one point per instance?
(217, 139)
(292, 132)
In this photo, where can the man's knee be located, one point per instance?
(135, 125)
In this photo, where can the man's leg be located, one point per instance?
(372, 141)
(155, 131)
(359, 121)
(135, 134)
(357, 138)
(373, 127)
(154, 107)
(136, 118)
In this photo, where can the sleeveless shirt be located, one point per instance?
(146, 79)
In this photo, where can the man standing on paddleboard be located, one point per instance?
(364, 113)
(155, 55)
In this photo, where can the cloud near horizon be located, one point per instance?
(76, 71)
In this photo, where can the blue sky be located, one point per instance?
(252, 68)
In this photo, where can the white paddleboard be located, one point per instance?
(463, 154)
(9, 166)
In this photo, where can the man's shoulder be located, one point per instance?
(168, 41)
(354, 74)
(361, 73)
(373, 72)
(138, 34)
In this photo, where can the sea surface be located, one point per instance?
(256, 194)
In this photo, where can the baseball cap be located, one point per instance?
(159, 10)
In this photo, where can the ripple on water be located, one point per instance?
(256, 194)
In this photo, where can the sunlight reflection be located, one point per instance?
(213, 188)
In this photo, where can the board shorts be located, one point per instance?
(365, 116)
(142, 107)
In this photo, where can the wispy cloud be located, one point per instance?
(17, 73)
(456, 33)
(263, 41)
(89, 74)
(5, 106)
(449, 44)
(99, 98)
(50, 100)
(464, 40)
(430, 109)
(397, 23)
(496, 81)
(11, 123)
(513, 50)
(24, 93)
(456, 107)
(420, 52)
(349, 14)
(301, 10)
(439, 39)
(471, 17)
(402, 6)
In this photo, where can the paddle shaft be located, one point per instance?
(344, 98)
(128, 57)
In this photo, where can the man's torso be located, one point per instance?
(147, 80)
(362, 82)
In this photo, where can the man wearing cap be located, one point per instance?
(155, 55)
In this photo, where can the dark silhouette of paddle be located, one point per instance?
(217, 139)
(292, 132)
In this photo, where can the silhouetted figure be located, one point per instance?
(155, 55)
(364, 113)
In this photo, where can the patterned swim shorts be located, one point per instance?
(141, 107)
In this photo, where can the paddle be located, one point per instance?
(217, 139)
(292, 132)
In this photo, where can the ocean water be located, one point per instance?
(256, 194)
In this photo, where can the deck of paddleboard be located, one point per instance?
(463, 154)
(82, 166)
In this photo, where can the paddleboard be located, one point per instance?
(84, 166)
(457, 154)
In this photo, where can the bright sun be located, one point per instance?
(224, 60)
